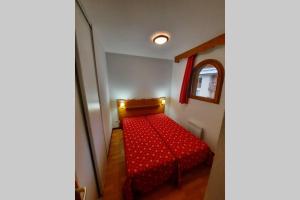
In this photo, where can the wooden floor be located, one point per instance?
(193, 185)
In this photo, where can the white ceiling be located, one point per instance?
(126, 26)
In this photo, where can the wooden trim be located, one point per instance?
(220, 80)
(204, 99)
(217, 41)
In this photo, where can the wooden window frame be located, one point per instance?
(220, 79)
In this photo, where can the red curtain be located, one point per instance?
(183, 99)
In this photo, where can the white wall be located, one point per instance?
(102, 74)
(216, 183)
(209, 115)
(137, 77)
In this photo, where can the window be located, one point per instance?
(207, 81)
(199, 82)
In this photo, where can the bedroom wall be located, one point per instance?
(102, 74)
(216, 182)
(207, 115)
(137, 77)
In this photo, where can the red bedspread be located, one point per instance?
(187, 148)
(148, 160)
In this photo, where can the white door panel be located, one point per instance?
(85, 66)
(83, 161)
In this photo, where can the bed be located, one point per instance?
(157, 149)
(188, 150)
(148, 160)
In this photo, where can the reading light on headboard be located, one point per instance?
(122, 104)
(163, 100)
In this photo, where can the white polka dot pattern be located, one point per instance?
(148, 160)
(189, 150)
(158, 149)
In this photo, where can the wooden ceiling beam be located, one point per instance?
(219, 40)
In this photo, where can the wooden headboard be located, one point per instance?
(139, 107)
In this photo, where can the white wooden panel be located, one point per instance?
(85, 67)
(83, 158)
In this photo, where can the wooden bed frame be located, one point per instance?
(139, 107)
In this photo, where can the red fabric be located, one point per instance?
(148, 160)
(189, 150)
(157, 149)
(186, 80)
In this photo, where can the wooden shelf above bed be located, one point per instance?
(142, 106)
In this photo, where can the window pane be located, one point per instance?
(207, 82)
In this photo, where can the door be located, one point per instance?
(88, 86)
(84, 169)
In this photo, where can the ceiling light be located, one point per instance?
(160, 39)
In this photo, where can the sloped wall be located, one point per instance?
(208, 115)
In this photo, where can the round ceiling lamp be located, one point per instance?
(160, 38)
